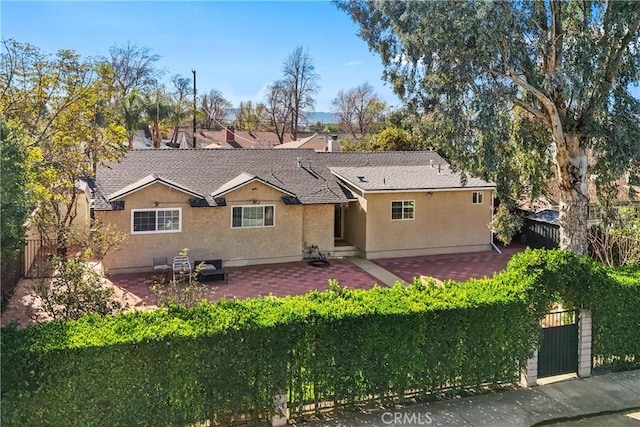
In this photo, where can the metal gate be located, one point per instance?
(559, 351)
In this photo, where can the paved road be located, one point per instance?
(622, 419)
(573, 398)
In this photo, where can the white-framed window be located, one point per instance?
(252, 216)
(165, 220)
(477, 198)
(402, 209)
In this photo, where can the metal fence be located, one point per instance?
(37, 254)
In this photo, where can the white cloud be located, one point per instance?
(353, 63)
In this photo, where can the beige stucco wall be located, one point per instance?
(207, 232)
(317, 226)
(355, 223)
(444, 222)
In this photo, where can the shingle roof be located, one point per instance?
(304, 173)
(146, 181)
(393, 178)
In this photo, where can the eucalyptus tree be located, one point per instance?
(567, 64)
(358, 109)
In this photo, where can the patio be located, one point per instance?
(293, 278)
(297, 278)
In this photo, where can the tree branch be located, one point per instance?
(533, 111)
(611, 69)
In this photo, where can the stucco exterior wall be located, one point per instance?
(317, 226)
(444, 222)
(355, 223)
(207, 232)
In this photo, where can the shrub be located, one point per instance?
(185, 365)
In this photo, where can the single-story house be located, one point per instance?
(260, 206)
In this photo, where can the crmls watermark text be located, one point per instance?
(407, 418)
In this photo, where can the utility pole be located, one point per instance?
(194, 108)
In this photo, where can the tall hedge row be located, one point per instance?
(181, 366)
(611, 295)
(186, 365)
(615, 307)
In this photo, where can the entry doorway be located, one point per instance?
(337, 222)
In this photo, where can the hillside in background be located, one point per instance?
(314, 117)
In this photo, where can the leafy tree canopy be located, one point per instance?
(15, 195)
(567, 64)
(63, 104)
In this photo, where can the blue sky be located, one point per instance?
(237, 47)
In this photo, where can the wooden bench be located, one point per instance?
(211, 269)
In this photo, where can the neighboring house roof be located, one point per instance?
(303, 175)
(548, 216)
(405, 178)
(315, 142)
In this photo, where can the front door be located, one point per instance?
(337, 222)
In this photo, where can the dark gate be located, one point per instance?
(559, 351)
(37, 254)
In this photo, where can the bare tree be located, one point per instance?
(278, 107)
(358, 109)
(132, 67)
(214, 107)
(301, 80)
(180, 103)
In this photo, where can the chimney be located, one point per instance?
(333, 145)
(229, 136)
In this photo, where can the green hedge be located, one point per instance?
(612, 296)
(186, 365)
(615, 307)
(181, 366)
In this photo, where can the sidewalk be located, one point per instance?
(607, 393)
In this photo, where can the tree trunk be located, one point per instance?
(156, 133)
(574, 198)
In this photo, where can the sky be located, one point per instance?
(236, 47)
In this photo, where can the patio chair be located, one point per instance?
(181, 266)
(160, 266)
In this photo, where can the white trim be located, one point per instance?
(413, 216)
(157, 231)
(146, 182)
(221, 191)
(480, 196)
(254, 206)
